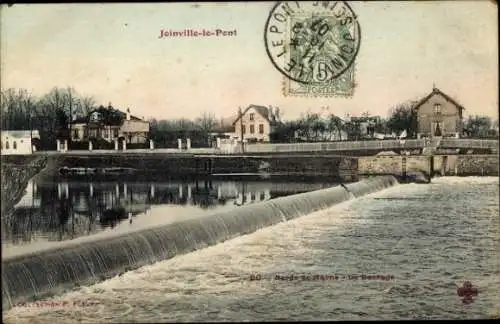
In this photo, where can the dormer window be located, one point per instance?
(94, 117)
(437, 108)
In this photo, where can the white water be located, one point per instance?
(430, 237)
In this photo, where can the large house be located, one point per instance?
(256, 123)
(438, 115)
(18, 142)
(110, 124)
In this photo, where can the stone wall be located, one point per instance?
(16, 171)
(449, 165)
(470, 165)
(342, 167)
(393, 164)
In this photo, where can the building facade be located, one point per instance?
(19, 142)
(110, 124)
(438, 115)
(256, 123)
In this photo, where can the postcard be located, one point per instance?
(249, 161)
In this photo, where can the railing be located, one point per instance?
(311, 147)
(469, 143)
(334, 146)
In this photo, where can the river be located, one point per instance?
(52, 212)
(424, 239)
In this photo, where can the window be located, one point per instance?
(437, 108)
(75, 134)
(244, 128)
(7, 145)
(261, 128)
(14, 145)
(251, 116)
(115, 132)
(252, 129)
(95, 116)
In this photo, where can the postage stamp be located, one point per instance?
(314, 45)
(342, 86)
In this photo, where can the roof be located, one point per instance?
(109, 115)
(80, 120)
(224, 129)
(263, 111)
(20, 134)
(437, 91)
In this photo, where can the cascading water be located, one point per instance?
(52, 271)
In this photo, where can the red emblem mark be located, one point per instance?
(467, 291)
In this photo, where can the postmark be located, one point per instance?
(314, 43)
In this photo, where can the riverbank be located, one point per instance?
(442, 165)
(16, 171)
(340, 168)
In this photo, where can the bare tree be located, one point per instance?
(207, 122)
(17, 106)
(86, 105)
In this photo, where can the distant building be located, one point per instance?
(18, 142)
(110, 124)
(256, 123)
(438, 115)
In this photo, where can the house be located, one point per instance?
(110, 124)
(19, 142)
(256, 123)
(438, 115)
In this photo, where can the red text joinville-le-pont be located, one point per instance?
(164, 33)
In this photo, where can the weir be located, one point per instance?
(53, 271)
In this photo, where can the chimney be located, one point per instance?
(128, 113)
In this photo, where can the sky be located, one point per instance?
(113, 52)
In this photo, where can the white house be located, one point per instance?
(256, 123)
(18, 142)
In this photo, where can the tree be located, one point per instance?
(17, 109)
(318, 127)
(381, 126)
(335, 125)
(353, 130)
(206, 122)
(85, 106)
(285, 132)
(310, 126)
(478, 126)
(403, 117)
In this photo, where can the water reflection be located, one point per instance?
(65, 210)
